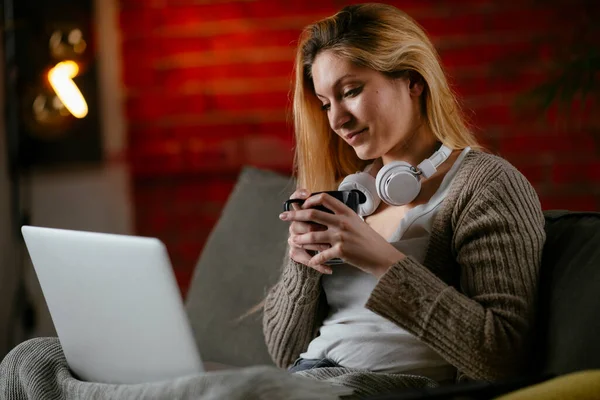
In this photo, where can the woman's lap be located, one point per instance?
(302, 364)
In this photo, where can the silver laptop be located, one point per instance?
(115, 305)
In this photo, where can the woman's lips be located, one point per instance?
(353, 137)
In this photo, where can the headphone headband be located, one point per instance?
(429, 166)
(396, 183)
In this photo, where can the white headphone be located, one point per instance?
(397, 183)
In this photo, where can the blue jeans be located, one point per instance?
(302, 364)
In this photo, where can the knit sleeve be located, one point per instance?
(484, 328)
(293, 313)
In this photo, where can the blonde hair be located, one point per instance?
(385, 39)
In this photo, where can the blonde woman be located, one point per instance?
(435, 286)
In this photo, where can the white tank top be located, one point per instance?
(355, 337)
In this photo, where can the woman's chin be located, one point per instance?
(365, 153)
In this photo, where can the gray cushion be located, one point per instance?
(242, 258)
(569, 308)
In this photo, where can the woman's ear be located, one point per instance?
(416, 84)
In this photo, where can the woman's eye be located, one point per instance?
(325, 107)
(352, 92)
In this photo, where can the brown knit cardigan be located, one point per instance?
(473, 298)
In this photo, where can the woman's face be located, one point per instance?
(373, 113)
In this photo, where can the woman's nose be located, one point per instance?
(338, 117)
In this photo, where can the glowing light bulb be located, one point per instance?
(61, 79)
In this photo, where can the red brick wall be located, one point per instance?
(207, 86)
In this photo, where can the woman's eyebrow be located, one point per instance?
(337, 82)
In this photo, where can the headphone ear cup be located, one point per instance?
(365, 183)
(397, 183)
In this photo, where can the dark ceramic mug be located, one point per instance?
(351, 198)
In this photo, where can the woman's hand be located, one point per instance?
(346, 236)
(299, 253)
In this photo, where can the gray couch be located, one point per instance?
(240, 261)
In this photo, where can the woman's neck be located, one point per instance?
(420, 145)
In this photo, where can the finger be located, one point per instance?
(327, 201)
(310, 246)
(303, 257)
(300, 194)
(298, 228)
(309, 215)
(315, 247)
(312, 238)
(324, 256)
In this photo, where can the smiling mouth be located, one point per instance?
(354, 134)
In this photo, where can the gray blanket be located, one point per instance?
(37, 369)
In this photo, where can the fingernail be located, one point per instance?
(283, 216)
(303, 192)
(328, 271)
